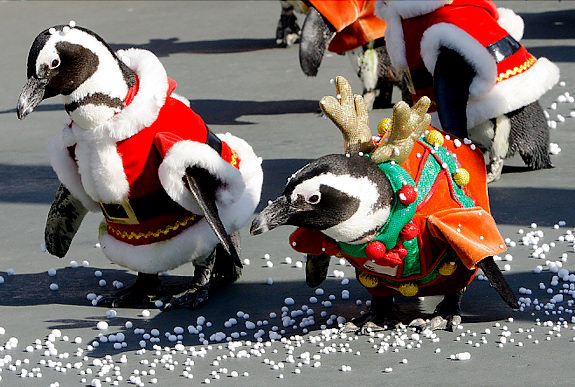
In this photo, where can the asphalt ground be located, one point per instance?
(223, 57)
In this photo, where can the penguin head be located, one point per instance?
(348, 198)
(78, 64)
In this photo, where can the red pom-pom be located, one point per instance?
(393, 258)
(409, 231)
(407, 194)
(375, 250)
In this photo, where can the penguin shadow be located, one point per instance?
(259, 303)
(523, 205)
(27, 184)
(228, 112)
(549, 25)
(166, 47)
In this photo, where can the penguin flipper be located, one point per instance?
(316, 34)
(202, 186)
(316, 268)
(64, 218)
(452, 78)
(497, 280)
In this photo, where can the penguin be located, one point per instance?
(348, 28)
(484, 84)
(171, 191)
(288, 30)
(346, 200)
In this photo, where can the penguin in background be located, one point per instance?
(408, 209)
(170, 190)
(484, 84)
(348, 28)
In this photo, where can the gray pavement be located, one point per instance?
(223, 57)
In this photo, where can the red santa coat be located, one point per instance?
(507, 75)
(143, 152)
(454, 228)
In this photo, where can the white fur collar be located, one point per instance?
(144, 109)
(407, 8)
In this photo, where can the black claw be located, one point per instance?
(192, 299)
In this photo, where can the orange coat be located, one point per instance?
(353, 20)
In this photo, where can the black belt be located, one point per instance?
(133, 211)
(503, 48)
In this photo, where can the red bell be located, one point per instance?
(407, 194)
(409, 231)
(375, 250)
(393, 258)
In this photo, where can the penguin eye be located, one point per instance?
(314, 198)
(55, 63)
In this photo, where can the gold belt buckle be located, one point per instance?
(130, 217)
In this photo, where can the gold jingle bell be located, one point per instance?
(447, 268)
(435, 138)
(408, 290)
(461, 177)
(384, 126)
(368, 280)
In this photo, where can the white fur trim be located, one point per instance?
(67, 172)
(511, 22)
(513, 93)
(453, 37)
(186, 154)
(181, 98)
(194, 243)
(394, 41)
(199, 240)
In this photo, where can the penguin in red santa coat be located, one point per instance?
(171, 191)
(466, 56)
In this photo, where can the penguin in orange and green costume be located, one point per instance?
(412, 215)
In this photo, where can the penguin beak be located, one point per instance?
(277, 213)
(32, 94)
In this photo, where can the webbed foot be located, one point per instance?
(383, 315)
(447, 315)
(145, 289)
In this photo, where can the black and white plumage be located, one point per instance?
(347, 198)
(95, 83)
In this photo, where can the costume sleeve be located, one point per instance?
(179, 154)
(308, 241)
(66, 168)
(471, 232)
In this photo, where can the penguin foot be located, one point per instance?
(448, 323)
(316, 268)
(383, 315)
(145, 289)
(447, 315)
(191, 298)
(494, 169)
